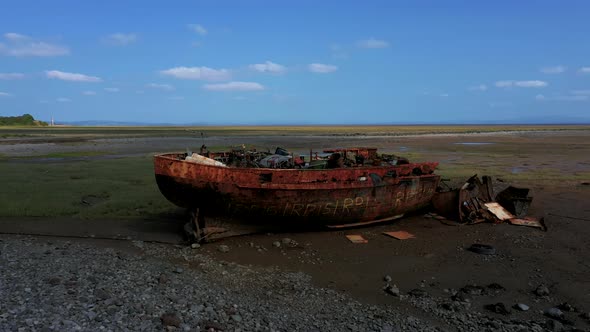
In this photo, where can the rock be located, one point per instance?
(521, 307)
(101, 294)
(195, 246)
(496, 287)
(286, 241)
(498, 308)
(54, 281)
(276, 244)
(553, 325)
(391, 290)
(170, 319)
(459, 297)
(223, 248)
(542, 290)
(211, 325)
(178, 270)
(553, 313)
(163, 278)
(387, 278)
(473, 290)
(567, 307)
(417, 292)
(236, 318)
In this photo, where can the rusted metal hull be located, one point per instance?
(343, 196)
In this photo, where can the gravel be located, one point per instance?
(59, 285)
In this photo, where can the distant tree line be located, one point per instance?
(23, 120)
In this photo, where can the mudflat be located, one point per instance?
(105, 177)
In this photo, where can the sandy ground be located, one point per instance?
(436, 260)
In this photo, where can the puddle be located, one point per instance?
(474, 143)
(517, 170)
(403, 148)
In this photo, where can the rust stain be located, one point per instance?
(338, 196)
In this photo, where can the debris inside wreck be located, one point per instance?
(475, 203)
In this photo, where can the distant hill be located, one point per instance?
(23, 120)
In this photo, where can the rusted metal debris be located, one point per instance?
(475, 202)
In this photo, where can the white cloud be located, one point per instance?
(73, 77)
(531, 84)
(234, 86)
(554, 70)
(198, 29)
(584, 70)
(5, 94)
(166, 87)
(63, 100)
(321, 68)
(112, 89)
(198, 73)
(120, 39)
(268, 67)
(504, 84)
(580, 92)
(11, 76)
(89, 93)
(13, 36)
(481, 87)
(522, 84)
(372, 43)
(20, 45)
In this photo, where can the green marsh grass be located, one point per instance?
(123, 187)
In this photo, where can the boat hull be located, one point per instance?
(341, 196)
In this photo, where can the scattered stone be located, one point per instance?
(553, 325)
(521, 307)
(391, 290)
(195, 246)
(567, 307)
(387, 278)
(170, 319)
(286, 241)
(459, 297)
(482, 249)
(473, 290)
(276, 244)
(496, 287)
(163, 278)
(417, 292)
(553, 313)
(498, 308)
(236, 318)
(101, 294)
(542, 290)
(178, 270)
(54, 281)
(208, 325)
(223, 248)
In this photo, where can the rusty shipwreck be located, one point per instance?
(350, 187)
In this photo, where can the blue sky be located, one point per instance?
(297, 62)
